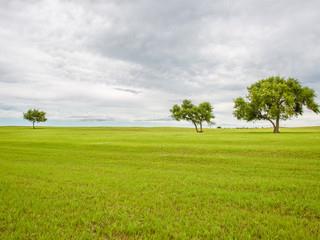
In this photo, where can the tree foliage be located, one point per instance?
(196, 114)
(35, 115)
(274, 99)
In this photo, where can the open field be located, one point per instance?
(159, 183)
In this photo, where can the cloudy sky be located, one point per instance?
(131, 60)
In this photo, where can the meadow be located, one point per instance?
(159, 183)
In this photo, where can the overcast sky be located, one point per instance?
(131, 60)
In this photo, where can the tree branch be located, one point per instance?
(273, 124)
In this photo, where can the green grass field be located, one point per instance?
(159, 183)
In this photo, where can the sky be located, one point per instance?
(124, 62)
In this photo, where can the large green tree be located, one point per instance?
(195, 114)
(274, 99)
(35, 115)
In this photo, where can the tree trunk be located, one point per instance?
(33, 125)
(276, 128)
(195, 125)
(200, 127)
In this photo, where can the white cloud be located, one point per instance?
(126, 60)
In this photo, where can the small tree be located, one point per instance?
(35, 115)
(274, 99)
(196, 114)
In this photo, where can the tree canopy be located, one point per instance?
(35, 115)
(274, 99)
(196, 114)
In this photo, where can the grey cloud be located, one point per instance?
(128, 90)
(8, 107)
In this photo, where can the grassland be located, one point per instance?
(159, 183)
